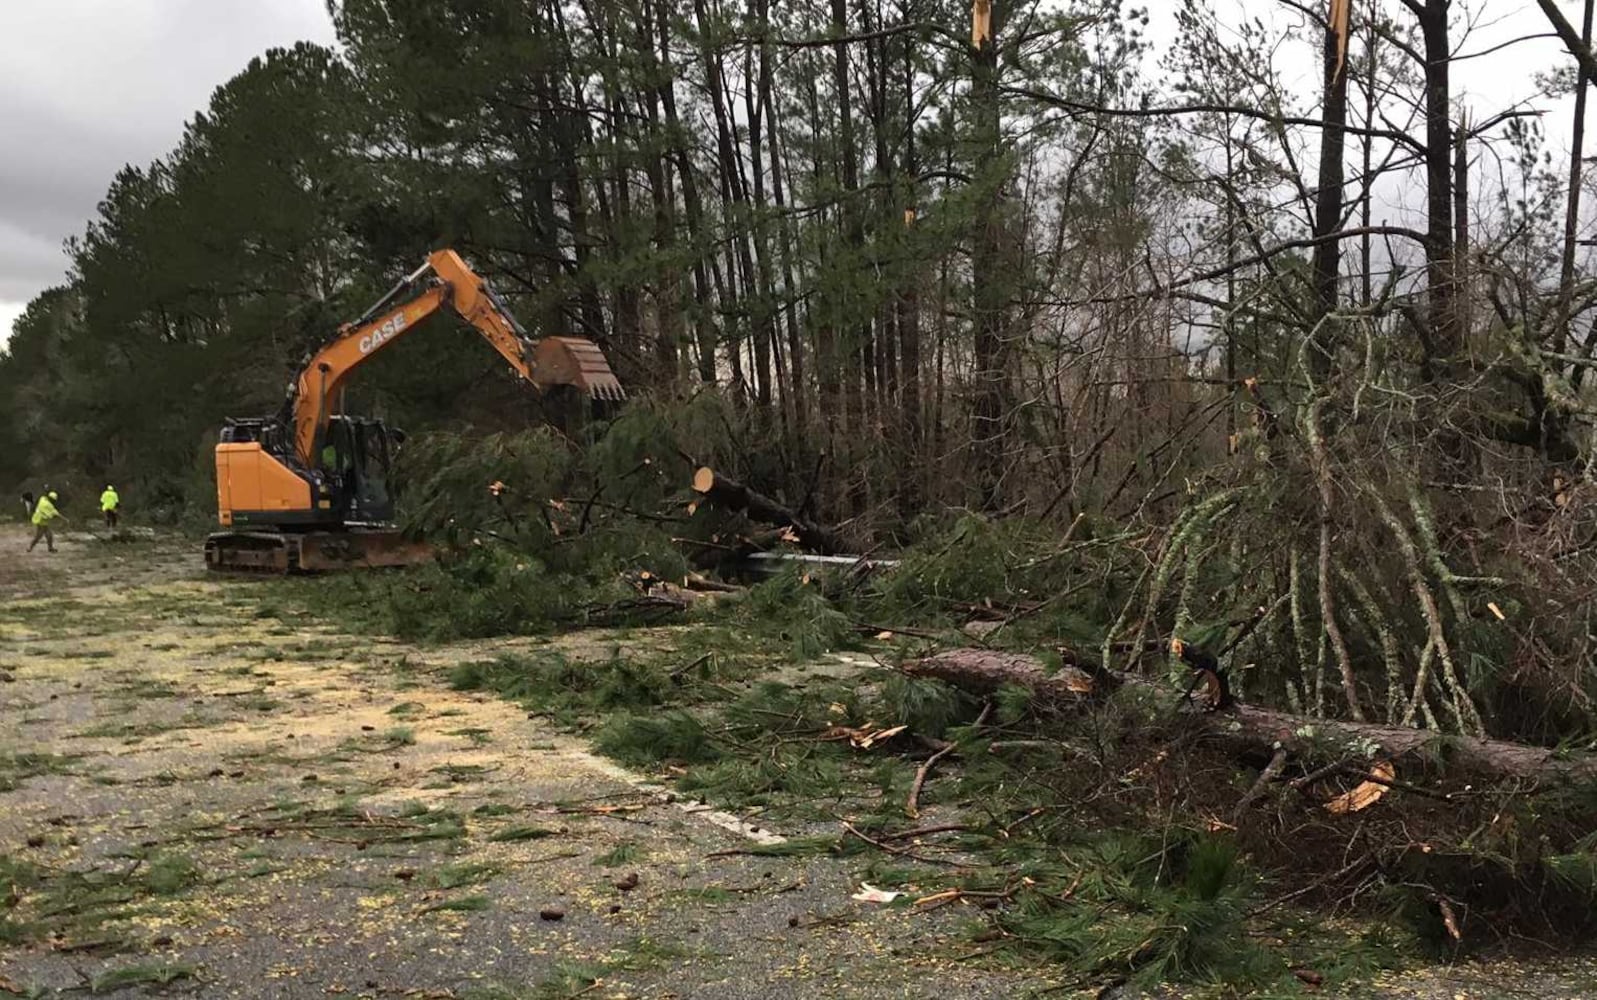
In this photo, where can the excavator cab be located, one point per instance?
(357, 463)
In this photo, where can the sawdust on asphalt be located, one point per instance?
(354, 827)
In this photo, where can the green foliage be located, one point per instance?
(798, 772)
(776, 708)
(1180, 906)
(444, 479)
(1576, 872)
(928, 707)
(566, 689)
(80, 904)
(793, 607)
(976, 559)
(1013, 703)
(485, 591)
(650, 740)
(624, 853)
(142, 974)
(525, 557)
(464, 904)
(511, 834)
(637, 460)
(463, 874)
(170, 874)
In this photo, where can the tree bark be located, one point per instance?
(1328, 199)
(702, 285)
(990, 282)
(856, 341)
(1566, 272)
(1442, 336)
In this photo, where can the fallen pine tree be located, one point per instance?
(984, 671)
(1476, 841)
(731, 495)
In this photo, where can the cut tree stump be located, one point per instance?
(729, 494)
(1263, 730)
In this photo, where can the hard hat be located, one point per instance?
(108, 486)
(54, 495)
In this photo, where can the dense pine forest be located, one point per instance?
(1263, 335)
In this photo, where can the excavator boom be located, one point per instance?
(444, 281)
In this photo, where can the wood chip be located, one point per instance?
(1449, 920)
(1364, 794)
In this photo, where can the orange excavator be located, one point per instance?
(307, 490)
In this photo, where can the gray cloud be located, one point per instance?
(91, 85)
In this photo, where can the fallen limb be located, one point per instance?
(983, 671)
(698, 582)
(729, 494)
(899, 851)
(1269, 774)
(912, 804)
(926, 831)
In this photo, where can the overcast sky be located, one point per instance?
(89, 85)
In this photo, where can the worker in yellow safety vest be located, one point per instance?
(110, 505)
(43, 513)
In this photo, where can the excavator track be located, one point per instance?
(280, 553)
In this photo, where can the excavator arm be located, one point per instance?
(444, 281)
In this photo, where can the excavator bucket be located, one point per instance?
(574, 361)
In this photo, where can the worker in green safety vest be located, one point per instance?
(110, 506)
(43, 513)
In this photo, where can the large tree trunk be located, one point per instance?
(702, 285)
(911, 474)
(1442, 334)
(857, 335)
(1328, 199)
(990, 280)
(797, 387)
(1566, 271)
(984, 671)
(762, 301)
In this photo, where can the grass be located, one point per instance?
(570, 979)
(139, 730)
(148, 687)
(15, 768)
(462, 874)
(142, 974)
(79, 906)
(462, 773)
(624, 853)
(465, 904)
(389, 739)
(511, 834)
